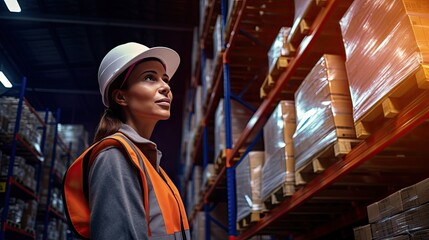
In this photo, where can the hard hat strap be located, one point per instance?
(130, 69)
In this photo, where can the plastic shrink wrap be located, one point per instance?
(408, 222)
(278, 48)
(248, 184)
(385, 43)
(301, 6)
(279, 166)
(240, 116)
(209, 176)
(323, 109)
(405, 212)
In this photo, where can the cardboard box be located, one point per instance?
(373, 212)
(423, 191)
(390, 205)
(363, 232)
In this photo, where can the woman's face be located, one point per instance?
(148, 95)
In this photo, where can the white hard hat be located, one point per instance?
(121, 57)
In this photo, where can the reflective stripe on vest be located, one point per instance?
(75, 184)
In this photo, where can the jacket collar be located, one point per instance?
(144, 144)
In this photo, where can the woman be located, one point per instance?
(116, 189)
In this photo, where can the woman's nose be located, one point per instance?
(165, 88)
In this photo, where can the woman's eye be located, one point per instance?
(166, 80)
(149, 78)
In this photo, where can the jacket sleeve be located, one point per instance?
(116, 198)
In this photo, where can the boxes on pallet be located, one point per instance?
(279, 166)
(303, 17)
(363, 232)
(369, 28)
(403, 223)
(29, 215)
(197, 180)
(390, 226)
(402, 200)
(204, 4)
(30, 127)
(323, 109)
(231, 4)
(417, 218)
(189, 198)
(300, 7)
(390, 205)
(16, 210)
(248, 184)
(209, 176)
(76, 135)
(207, 78)
(421, 235)
(422, 189)
(198, 106)
(278, 48)
(218, 36)
(240, 116)
(373, 212)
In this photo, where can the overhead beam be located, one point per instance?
(62, 91)
(79, 20)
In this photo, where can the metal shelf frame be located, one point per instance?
(10, 182)
(393, 129)
(51, 174)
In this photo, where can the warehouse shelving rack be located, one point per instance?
(55, 177)
(19, 146)
(391, 158)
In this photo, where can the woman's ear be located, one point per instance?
(119, 97)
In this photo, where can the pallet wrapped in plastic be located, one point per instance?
(209, 176)
(421, 235)
(363, 232)
(402, 200)
(301, 6)
(404, 223)
(323, 109)
(248, 184)
(278, 48)
(240, 116)
(77, 135)
(279, 166)
(386, 42)
(218, 36)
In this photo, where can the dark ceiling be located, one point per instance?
(58, 45)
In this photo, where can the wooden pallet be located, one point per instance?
(281, 64)
(392, 103)
(324, 159)
(221, 159)
(302, 26)
(284, 191)
(250, 219)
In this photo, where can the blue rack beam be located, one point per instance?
(51, 175)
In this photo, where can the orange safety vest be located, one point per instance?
(75, 188)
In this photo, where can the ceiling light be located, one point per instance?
(13, 5)
(3, 79)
